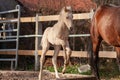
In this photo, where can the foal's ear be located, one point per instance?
(68, 8)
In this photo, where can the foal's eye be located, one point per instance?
(72, 16)
(67, 17)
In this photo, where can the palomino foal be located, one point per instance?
(58, 36)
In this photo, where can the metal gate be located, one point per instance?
(14, 34)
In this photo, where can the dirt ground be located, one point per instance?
(33, 75)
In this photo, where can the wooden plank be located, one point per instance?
(54, 17)
(108, 54)
(81, 16)
(103, 54)
(27, 19)
(49, 18)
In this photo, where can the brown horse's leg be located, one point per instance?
(118, 56)
(54, 59)
(67, 54)
(45, 48)
(96, 45)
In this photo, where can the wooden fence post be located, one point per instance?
(36, 44)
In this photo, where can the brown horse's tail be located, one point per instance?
(91, 58)
(90, 52)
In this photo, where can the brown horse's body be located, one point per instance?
(105, 26)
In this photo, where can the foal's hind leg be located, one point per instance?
(45, 48)
(118, 56)
(54, 59)
(67, 54)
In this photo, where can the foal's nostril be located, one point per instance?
(71, 29)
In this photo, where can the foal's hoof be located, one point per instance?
(57, 77)
(63, 71)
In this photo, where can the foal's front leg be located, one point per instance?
(54, 59)
(67, 54)
(67, 51)
(44, 51)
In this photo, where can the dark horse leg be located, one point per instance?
(118, 56)
(94, 58)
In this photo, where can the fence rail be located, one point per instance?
(102, 54)
(55, 17)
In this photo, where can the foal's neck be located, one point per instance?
(62, 25)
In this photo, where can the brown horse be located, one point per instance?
(105, 26)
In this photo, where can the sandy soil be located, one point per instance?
(33, 75)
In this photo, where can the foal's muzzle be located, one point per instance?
(71, 30)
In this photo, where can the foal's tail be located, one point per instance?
(44, 39)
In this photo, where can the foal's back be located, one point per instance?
(57, 31)
(106, 24)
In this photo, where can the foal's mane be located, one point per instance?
(65, 9)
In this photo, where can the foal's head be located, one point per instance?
(67, 17)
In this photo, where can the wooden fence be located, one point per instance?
(105, 54)
(36, 52)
